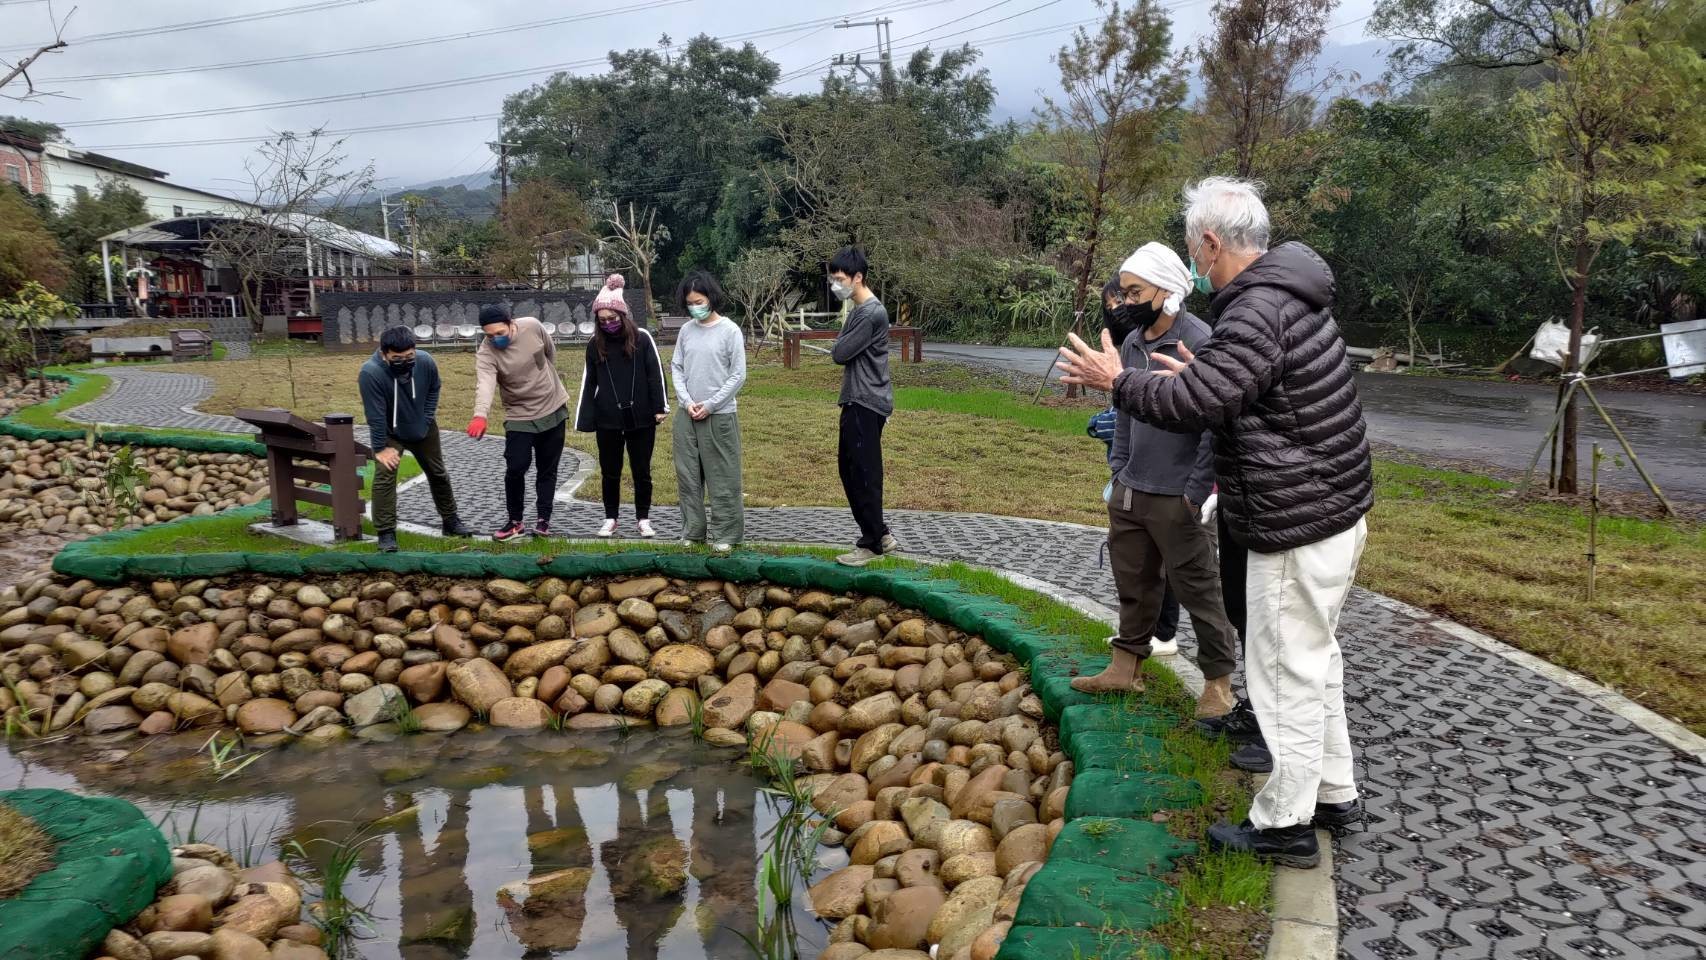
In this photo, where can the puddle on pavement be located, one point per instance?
(609, 821)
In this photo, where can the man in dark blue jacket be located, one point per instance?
(399, 395)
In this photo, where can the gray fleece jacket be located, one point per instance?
(1147, 458)
(862, 349)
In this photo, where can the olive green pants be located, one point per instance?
(430, 455)
(707, 467)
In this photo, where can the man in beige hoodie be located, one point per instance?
(518, 358)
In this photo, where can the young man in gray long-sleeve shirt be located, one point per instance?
(1161, 479)
(867, 401)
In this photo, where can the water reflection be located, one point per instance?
(553, 845)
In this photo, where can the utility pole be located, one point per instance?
(503, 147)
(385, 216)
(883, 80)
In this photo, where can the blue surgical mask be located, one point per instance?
(698, 311)
(500, 341)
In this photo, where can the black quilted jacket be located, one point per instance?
(1274, 386)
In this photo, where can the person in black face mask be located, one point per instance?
(399, 397)
(1121, 320)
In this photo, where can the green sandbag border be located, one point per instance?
(135, 436)
(109, 864)
(1122, 776)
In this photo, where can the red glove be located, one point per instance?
(477, 427)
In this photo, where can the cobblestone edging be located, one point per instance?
(1514, 812)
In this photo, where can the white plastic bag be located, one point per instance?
(1552, 344)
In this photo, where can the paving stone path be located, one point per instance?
(1511, 816)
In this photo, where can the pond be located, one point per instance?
(642, 844)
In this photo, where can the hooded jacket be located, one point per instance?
(1274, 386)
(398, 408)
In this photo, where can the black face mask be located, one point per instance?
(400, 368)
(1119, 323)
(1142, 316)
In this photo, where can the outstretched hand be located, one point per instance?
(1086, 366)
(1171, 367)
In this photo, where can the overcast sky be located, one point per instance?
(1019, 37)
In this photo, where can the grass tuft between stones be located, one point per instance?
(26, 851)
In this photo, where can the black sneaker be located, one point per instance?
(509, 531)
(1239, 725)
(542, 528)
(387, 541)
(454, 527)
(1340, 816)
(1254, 758)
(1286, 846)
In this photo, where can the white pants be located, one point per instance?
(1296, 677)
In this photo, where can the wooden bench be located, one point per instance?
(191, 345)
(911, 343)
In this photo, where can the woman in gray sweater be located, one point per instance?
(707, 371)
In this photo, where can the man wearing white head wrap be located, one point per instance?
(1161, 478)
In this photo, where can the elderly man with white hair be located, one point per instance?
(1161, 479)
(1274, 387)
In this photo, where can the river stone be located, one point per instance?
(589, 655)
(596, 620)
(266, 715)
(208, 880)
(870, 713)
(111, 718)
(531, 661)
(643, 697)
(519, 614)
(374, 705)
(193, 644)
(78, 651)
(626, 646)
(806, 625)
(156, 723)
(182, 911)
(171, 944)
(780, 694)
(676, 708)
(878, 839)
(902, 919)
(957, 837)
(682, 663)
(508, 591)
(442, 717)
(255, 914)
(1022, 844)
(478, 683)
(644, 587)
(968, 911)
(236, 945)
(520, 713)
(195, 709)
(840, 894)
(451, 644)
(423, 682)
(918, 865)
(732, 704)
(967, 866)
(641, 614)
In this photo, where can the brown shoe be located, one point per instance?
(1123, 675)
(1216, 699)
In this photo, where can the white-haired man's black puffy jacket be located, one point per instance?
(1276, 389)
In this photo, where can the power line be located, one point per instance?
(347, 131)
(204, 24)
(371, 48)
(814, 67)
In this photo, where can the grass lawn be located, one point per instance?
(25, 851)
(1457, 544)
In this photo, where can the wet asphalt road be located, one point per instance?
(1488, 422)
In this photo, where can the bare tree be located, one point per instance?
(635, 238)
(1119, 84)
(21, 69)
(1253, 66)
(758, 281)
(296, 179)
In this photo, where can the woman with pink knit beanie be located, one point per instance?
(622, 401)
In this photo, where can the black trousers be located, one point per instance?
(1167, 624)
(638, 444)
(1234, 561)
(860, 457)
(519, 451)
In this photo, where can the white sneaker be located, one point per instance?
(608, 529)
(646, 529)
(1163, 648)
(722, 547)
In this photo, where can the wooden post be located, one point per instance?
(281, 473)
(346, 484)
(1593, 521)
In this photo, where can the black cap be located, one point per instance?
(494, 313)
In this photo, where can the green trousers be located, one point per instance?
(430, 455)
(707, 467)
